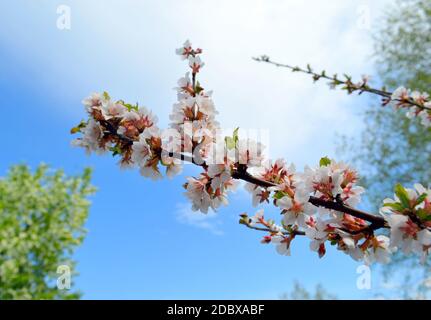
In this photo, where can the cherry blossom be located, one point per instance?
(91, 139)
(409, 217)
(259, 194)
(401, 95)
(295, 209)
(195, 63)
(94, 101)
(185, 50)
(379, 250)
(318, 231)
(202, 194)
(112, 109)
(333, 180)
(141, 150)
(282, 244)
(135, 121)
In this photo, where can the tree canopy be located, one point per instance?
(42, 214)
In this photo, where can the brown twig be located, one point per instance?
(348, 83)
(293, 232)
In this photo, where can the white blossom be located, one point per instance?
(401, 93)
(112, 109)
(141, 151)
(282, 245)
(259, 194)
(185, 50)
(95, 100)
(331, 180)
(198, 195)
(317, 232)
(91, 138)
(296, 210)
(403, 233)
(195, 63)
(380, 252)
(425, 116)
(257, 218)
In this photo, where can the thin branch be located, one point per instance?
(348, 83)
(287, 233)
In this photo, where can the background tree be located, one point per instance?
(299, 292)
(41, 223)
(392, 148)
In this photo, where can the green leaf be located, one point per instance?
(421, 198)
(395, 206)
(402, 195)
(279, 194)
(78, 128)
(231, 142)
(235, 135)
(115, 150)
(421, 214)
(325, 161)
(106, 95)
(129, 106)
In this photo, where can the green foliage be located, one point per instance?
(279, 194)
(324, 162)
(41, 223)
(403, 44)
(402, 194)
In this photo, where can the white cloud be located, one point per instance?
(209, 221)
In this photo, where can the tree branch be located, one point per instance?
(348, 83)
(287, 233)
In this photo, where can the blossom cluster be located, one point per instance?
(131, 132)
(409, 217)
(193, 117)
(126, 130)
(329, 181)
(317, 203)
(321, 230)
(403, 98)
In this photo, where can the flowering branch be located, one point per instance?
(241, 173)
(317, 203)
(418, 104)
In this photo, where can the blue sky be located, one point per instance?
(143, 242)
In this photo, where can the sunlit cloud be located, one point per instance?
(210, 221)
